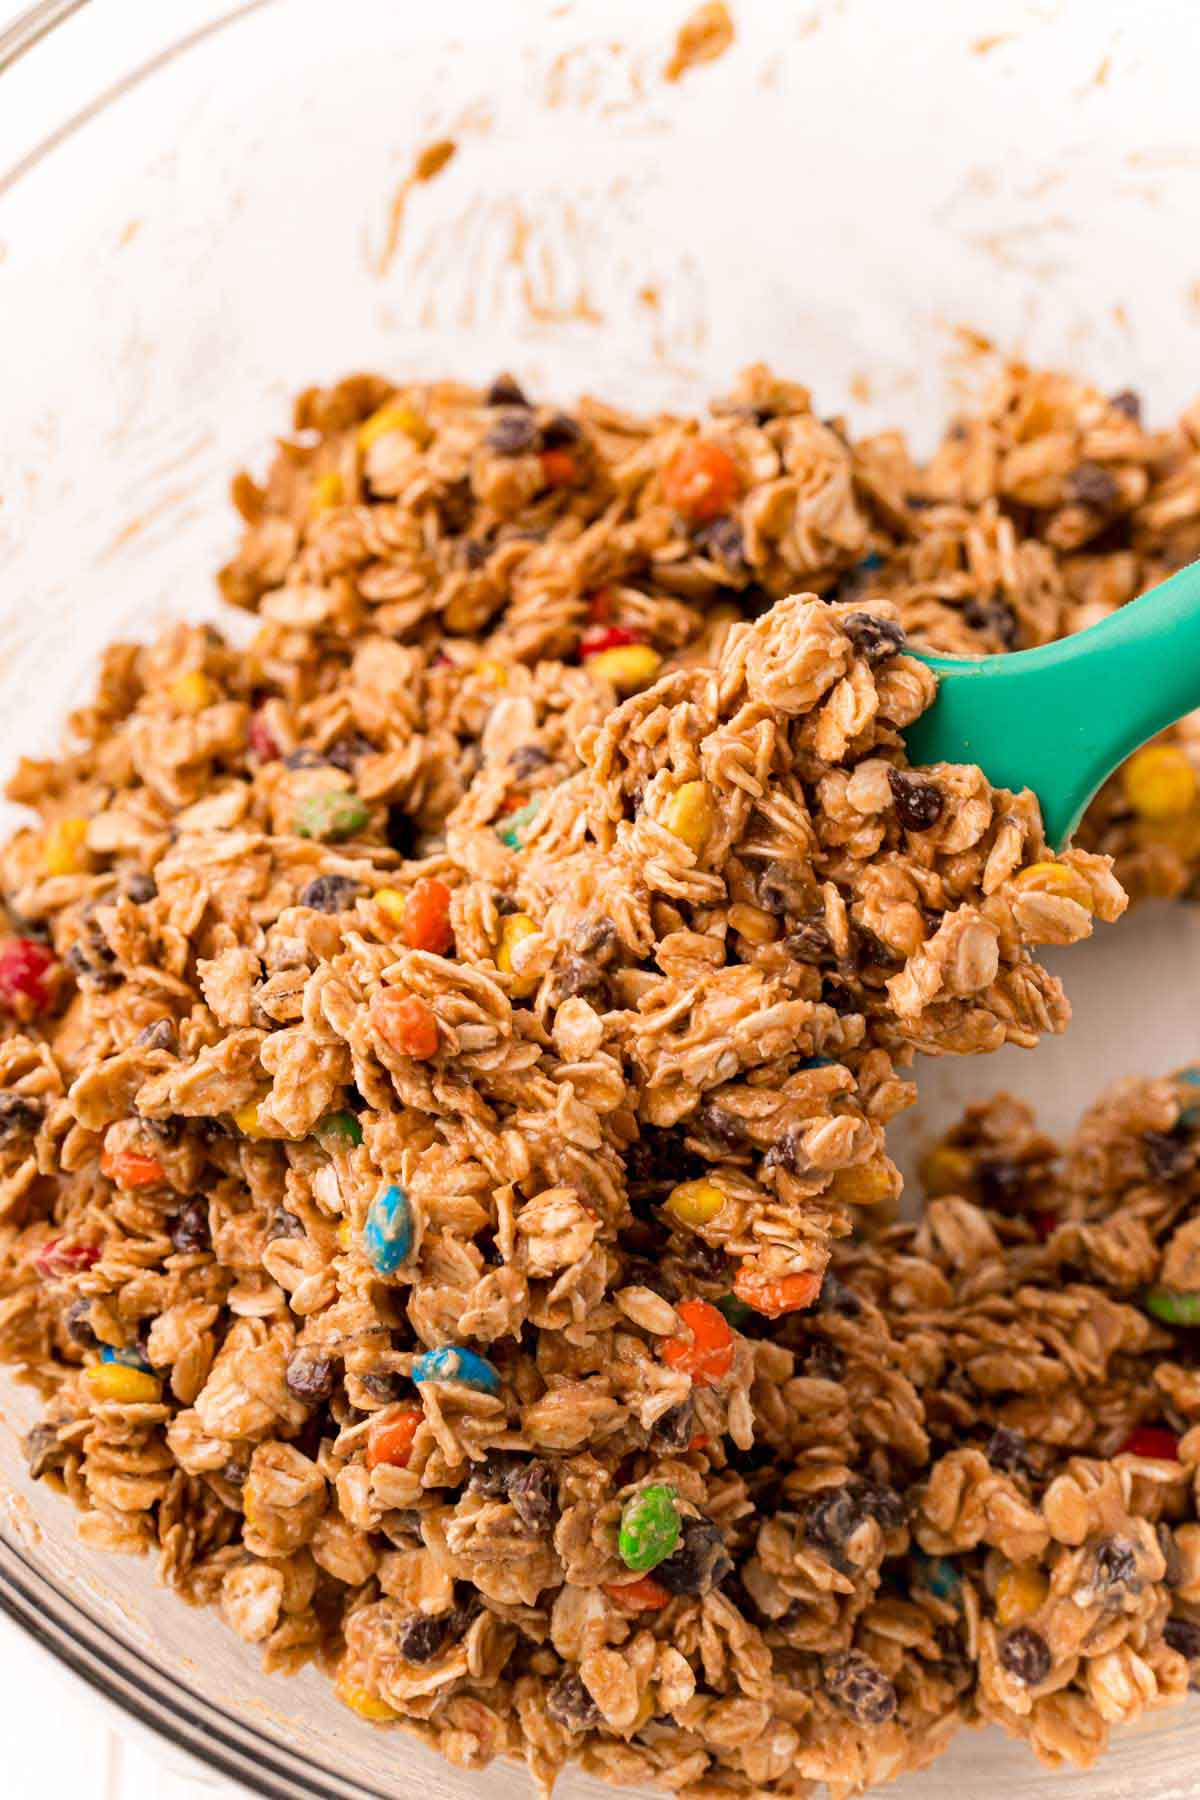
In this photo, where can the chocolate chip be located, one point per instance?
(1093, 485)
(504, 391)
(1007, 1450)
(875, 639)
(43, 1451)
(140, 888)
(569, 1703)
(1002, 1184)
(1168, 1155)
(859, 1687)
(309, 1376)
(531, 1491)
(1129, 403)
(724, 542)
(77, 1322)
(700, 1563)
(513, 434)
(1117, 1566)
(159, 1036)
(996, 616)
(330, 893)
(526, 759)
(189, 1228)
(1184, 1636)
(284, 1224)
(419, 1639)
(676, 1428)
(559, 431)
(19, 1116)
(918, 803)
(1025, 1653)
(349, 750)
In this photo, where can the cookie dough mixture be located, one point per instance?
(447, 1053)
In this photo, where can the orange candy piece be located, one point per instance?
(559, 468)
(131, 1169)
(645, 1595)
(774, 1295)
(706, 1354)
(701, 480)
(393, 1442)
(426, 924)
(406, 1023)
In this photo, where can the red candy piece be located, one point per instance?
(1151, 1440)
(611, 638)
(262, 739)
(25, 968)
(57, 1258)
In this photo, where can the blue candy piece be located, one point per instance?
(817, 1062)
(131, 1359)
(872, 560)
(1189, 1076)
(388, 1232)
(450, 1364)
(939, 1575)
(1189, 1118)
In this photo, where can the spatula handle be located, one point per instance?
(1061, 718)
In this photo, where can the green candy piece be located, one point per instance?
(510, 832)
(331, 816)
(735, 1312)
(650, 1528)
(1172, 1306)
(341, 1129)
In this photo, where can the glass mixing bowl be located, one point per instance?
(204, 207)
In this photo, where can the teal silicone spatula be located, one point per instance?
(1061, 718)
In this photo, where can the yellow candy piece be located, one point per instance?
(391, 903)
(397, 415)
(695, 1202)
(328, 491)
(64, 847)
(362, 1702)
(515, 929)
(494, 673)
(690, 815)
(192, 692)
(1159, 782)
(125, 1386)
(1019, 1593)
(946, 1170)
(863, 1184)
(345, 1234)
(629, 667)
(1058, 879)
(246, 1120)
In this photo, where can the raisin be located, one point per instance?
(1007, 1449)
(579, 979)
(825, 1362)
(1173, 1560)
(140, 888)
(384, 1388)
(18, 1116)
(531, 1493)
(569, 1703)
(504, 391)
(559, 431)
(1093, 485)
(835, 1297)
(701, 1562)
(513, 434)
(996, 616)
(419, 1639)
(1117, 1566)
(1025, 1654)
(783, 889)
(1129, 403)
(527, 758)
(304, 758)
(599, 939)
(348, 750)
(726, 1127)
(1002, 1184)
(786, 1153)
(235, 1472)
(859, 1687)
(330, 893)
(836, 993)
(1184, 1636)
(1167, 1156)
(875, 639)
(490, 1477)
(309, 1377)
(810, 944)
(918, 803)
(724, 542)
(189, 1228)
